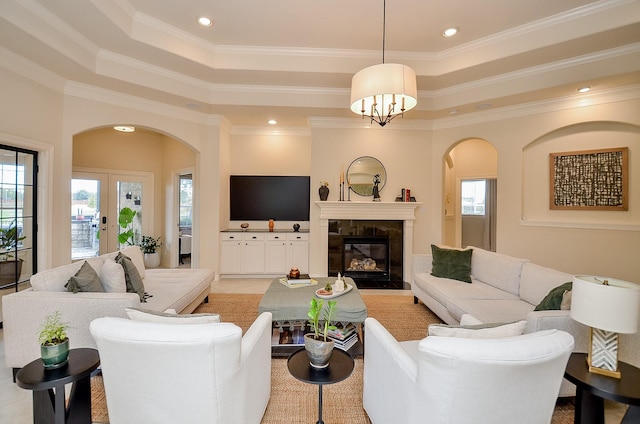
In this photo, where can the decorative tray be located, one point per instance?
(334, 294)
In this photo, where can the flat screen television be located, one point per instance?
(264, 197)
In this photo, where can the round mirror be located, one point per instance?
(363, 173)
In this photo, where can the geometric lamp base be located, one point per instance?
(603, 353)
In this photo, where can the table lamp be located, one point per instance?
(609, 307)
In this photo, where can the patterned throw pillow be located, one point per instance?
(451, 263)
(131, 276)
(85, 280)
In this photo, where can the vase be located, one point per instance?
(323, 191)
(319, 351)
(151, 260)
(55, 356)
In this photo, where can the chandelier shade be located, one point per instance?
(383, 91)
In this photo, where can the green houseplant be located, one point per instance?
(149, 247)
(318, 348)
(54, 342)
(10, 266)
(125, 220)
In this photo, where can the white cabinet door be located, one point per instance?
(276, 254)
(298, 251)
(231, 253)
(253, 254)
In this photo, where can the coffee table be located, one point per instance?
(289, 307)
(48, 388)
(340, 367)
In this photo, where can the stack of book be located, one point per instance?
(304, 280)
(344, 337)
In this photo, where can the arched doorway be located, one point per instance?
(470, 181)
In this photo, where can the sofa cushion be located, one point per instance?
(537, 281)
(147, 315)
(112, 277)
(56, 279)
(451, 263)
(496, 269)
(85, 280)
(490, 310)
(479, 331)
(553, 300)
(442, 289)
(175, 288)
(131, 276)
(135, 254)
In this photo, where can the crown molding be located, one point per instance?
(270, 131)
(27, 69)
(398, 124)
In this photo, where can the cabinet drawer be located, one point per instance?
(230, 236)
(298, 236)
(275, 237)
(252, 236)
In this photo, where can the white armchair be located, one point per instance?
(446, 380)
(163, 373)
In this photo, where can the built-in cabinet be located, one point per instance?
(262, 253)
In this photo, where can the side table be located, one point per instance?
(48, 388)
(592, 389)
(340, 367)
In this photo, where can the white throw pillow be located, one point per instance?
(481, 331)
(112, 277)
(168, 318)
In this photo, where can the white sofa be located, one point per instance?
(23, 312)
(503, 289)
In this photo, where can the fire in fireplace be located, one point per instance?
(366, 258)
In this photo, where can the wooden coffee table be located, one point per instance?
(289, 307)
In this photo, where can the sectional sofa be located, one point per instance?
(23, 313)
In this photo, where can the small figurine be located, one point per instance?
(376, 190)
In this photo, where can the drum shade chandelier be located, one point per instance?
(382, 92)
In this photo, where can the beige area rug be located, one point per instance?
(342, 402)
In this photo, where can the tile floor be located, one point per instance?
(16, 402)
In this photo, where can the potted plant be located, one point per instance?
(149, 247)
(54, 343)
(125, 220)
(318, 348)
(10, 266)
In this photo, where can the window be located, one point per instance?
(186, 196)
(473, 197)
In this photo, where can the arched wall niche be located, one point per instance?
(591, 135)
(467, 158)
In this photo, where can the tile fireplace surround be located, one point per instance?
(400, 211)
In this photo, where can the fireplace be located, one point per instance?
(369, 251)
(358, 216)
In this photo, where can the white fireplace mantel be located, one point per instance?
(396, 211)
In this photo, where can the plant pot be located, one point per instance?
(55, 356)
(319, 351)
(151, 260)
(10, 271)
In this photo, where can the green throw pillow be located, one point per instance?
(451, 263)
(85, 280)
(131, 276)
(553, 300)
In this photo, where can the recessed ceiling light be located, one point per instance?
(454, 112)
(204, 21)
(450, 32)
(272, 121)
(124, 128)
(584, 89)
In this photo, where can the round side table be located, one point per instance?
(48, 388)
(340, 368)
(592, 389)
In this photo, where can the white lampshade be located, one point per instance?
(384, 84)
(613, 307)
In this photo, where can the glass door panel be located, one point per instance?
(88, 232)
(135, 193)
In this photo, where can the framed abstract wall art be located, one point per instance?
(589, 180)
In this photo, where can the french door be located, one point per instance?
(96, 202)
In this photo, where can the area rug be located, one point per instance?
(342, 402)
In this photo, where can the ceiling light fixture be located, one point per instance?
(450, 32)
(204, 21)
(272, 122)
(382, 92)
(124, 128)
(584, 89)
